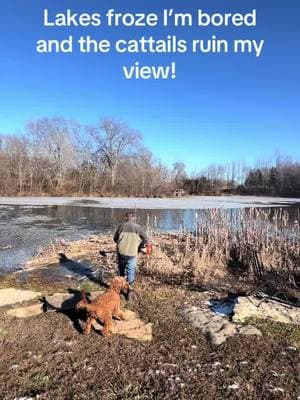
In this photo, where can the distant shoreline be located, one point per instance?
(188, 202)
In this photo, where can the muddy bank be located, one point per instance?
(66, 262)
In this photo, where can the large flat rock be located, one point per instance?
(271, 310)
(133, 327)
(26, 312)
(12, 296)
(55, 302)
(65, 301)
(217, 328)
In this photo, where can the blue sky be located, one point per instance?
(220, 108)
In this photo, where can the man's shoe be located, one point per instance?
(131, 295)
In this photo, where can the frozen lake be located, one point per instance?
(184, 203)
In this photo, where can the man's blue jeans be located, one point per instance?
(127, 267)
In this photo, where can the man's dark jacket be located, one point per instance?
(129, 236)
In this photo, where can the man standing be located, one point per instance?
(129, 238)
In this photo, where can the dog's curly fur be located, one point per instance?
(105, 306)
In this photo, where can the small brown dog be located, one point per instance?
(105, 306)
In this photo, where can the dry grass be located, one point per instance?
(219, 242)
(221, 237)
(46, 357)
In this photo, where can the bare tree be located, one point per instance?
(16, 149)
(179, 173)
(53, 140)
(114, 139)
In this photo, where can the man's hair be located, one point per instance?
(129, 215)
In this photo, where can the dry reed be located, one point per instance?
(221, 237)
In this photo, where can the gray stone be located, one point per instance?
(250, 330)
(215, 327)
(55, 302)
(65, 301)
(220, 336)
(270, 309)
(133, 327)
(12, 296)
(25, 312)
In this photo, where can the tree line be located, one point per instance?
(55, 156)
(280, 180)
(280, 177)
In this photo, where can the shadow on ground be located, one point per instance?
(78, 268)
(68, 308)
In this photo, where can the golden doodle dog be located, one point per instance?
(105, 306)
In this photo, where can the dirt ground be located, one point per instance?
(47, 358)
